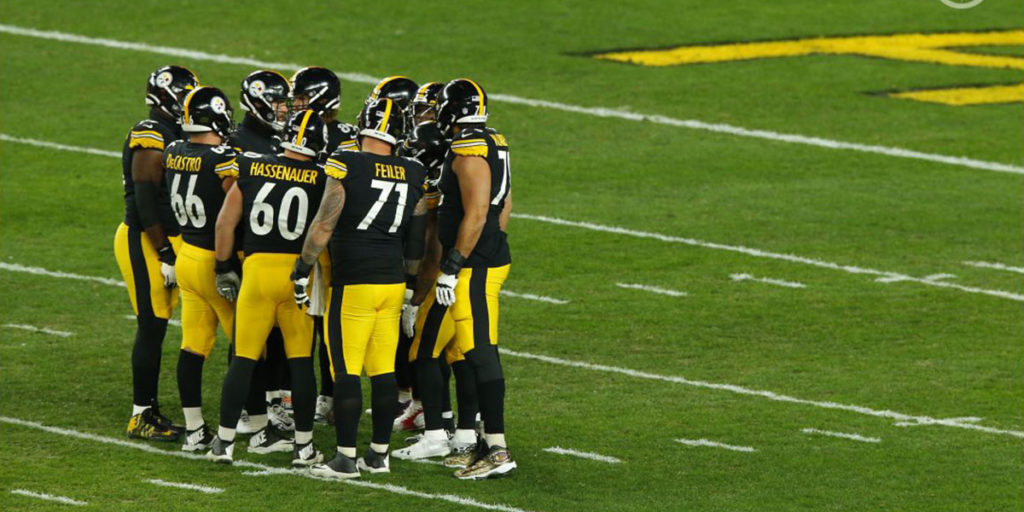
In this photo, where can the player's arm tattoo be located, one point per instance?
(326, 218)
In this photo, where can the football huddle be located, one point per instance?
(376, 247)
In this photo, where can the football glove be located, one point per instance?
(449, 277)
(228, 281)
(300, 281)
(167, 259)
(409, 312)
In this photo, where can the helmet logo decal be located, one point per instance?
(257, 87)
(164, 79)
(217, 105)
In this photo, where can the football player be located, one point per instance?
(144, 244)
(365, 212)
(275, 199)
(475, 186)
(400, 89)
(198, 172)
(319, 89)
(264, 97)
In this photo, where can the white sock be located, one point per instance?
(495, 440)
(434, 435)
(226, 434)
(465, 436)
(329, 400)
(258, 421)
(404, 395)
(477, 419)
(379, 448)
(193, 417)
(348, 451)
(447, 415)
(303, 437)
(137, 409)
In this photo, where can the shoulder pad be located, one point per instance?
(146, 135)
(471, 142)
(336, 165)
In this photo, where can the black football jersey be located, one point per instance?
(380, 195)
(193, 175)
(492, 248)
(156, 132)
(254, 136)
(341, 136)
(280, 198)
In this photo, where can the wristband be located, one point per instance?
(301, 269)
(166, 254)
(453, 263)
(223, 267)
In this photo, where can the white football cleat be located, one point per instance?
(426, 447)
(322, 413)
(245, 425)
(411, 419)
(280, 418)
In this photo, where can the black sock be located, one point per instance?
(403, 376)
(384, 396)
(149, 338)
(190, 378)
(235, 390)
(428, 372)
(303, 392)
(492, 406)
(326, 382)
(275, 359)
(256, 403)
(446, 391)
(465, 392)
(348, 407)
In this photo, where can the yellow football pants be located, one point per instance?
(471, 322)
(202, 308)
(435, 332)
(140, 268)
(362, 327)
(267, 298)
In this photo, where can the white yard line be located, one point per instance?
(949, 422)
(176, 323)
(394, 489)
(996, 266)
(843, 435)
(530, 296)
(715, 444)
(882, 275)
(760, 393)
(652, 289)
(44, 330)
(584, 455)
(776, 282)
(48, 497)
(758, 253)
(191, 487)
(59, 147)
(14, 267)
(693, 124)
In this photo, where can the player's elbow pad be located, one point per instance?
(147, 197)
(415, 237)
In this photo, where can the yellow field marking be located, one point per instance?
(959, 96)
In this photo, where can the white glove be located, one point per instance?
(170, 280)
(301, 297)
(228, 284)
(446, 289)
(409, 313)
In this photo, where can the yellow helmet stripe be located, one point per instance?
(481, 109)
(383, 128)
(380, 85)
(302, 128)
(184, 109)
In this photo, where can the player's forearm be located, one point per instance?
(224, 241)
(506, 213)
(431, 263)
(323, 224)
(470, 229)
(147, 196)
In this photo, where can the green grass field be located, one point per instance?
(600, 201)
